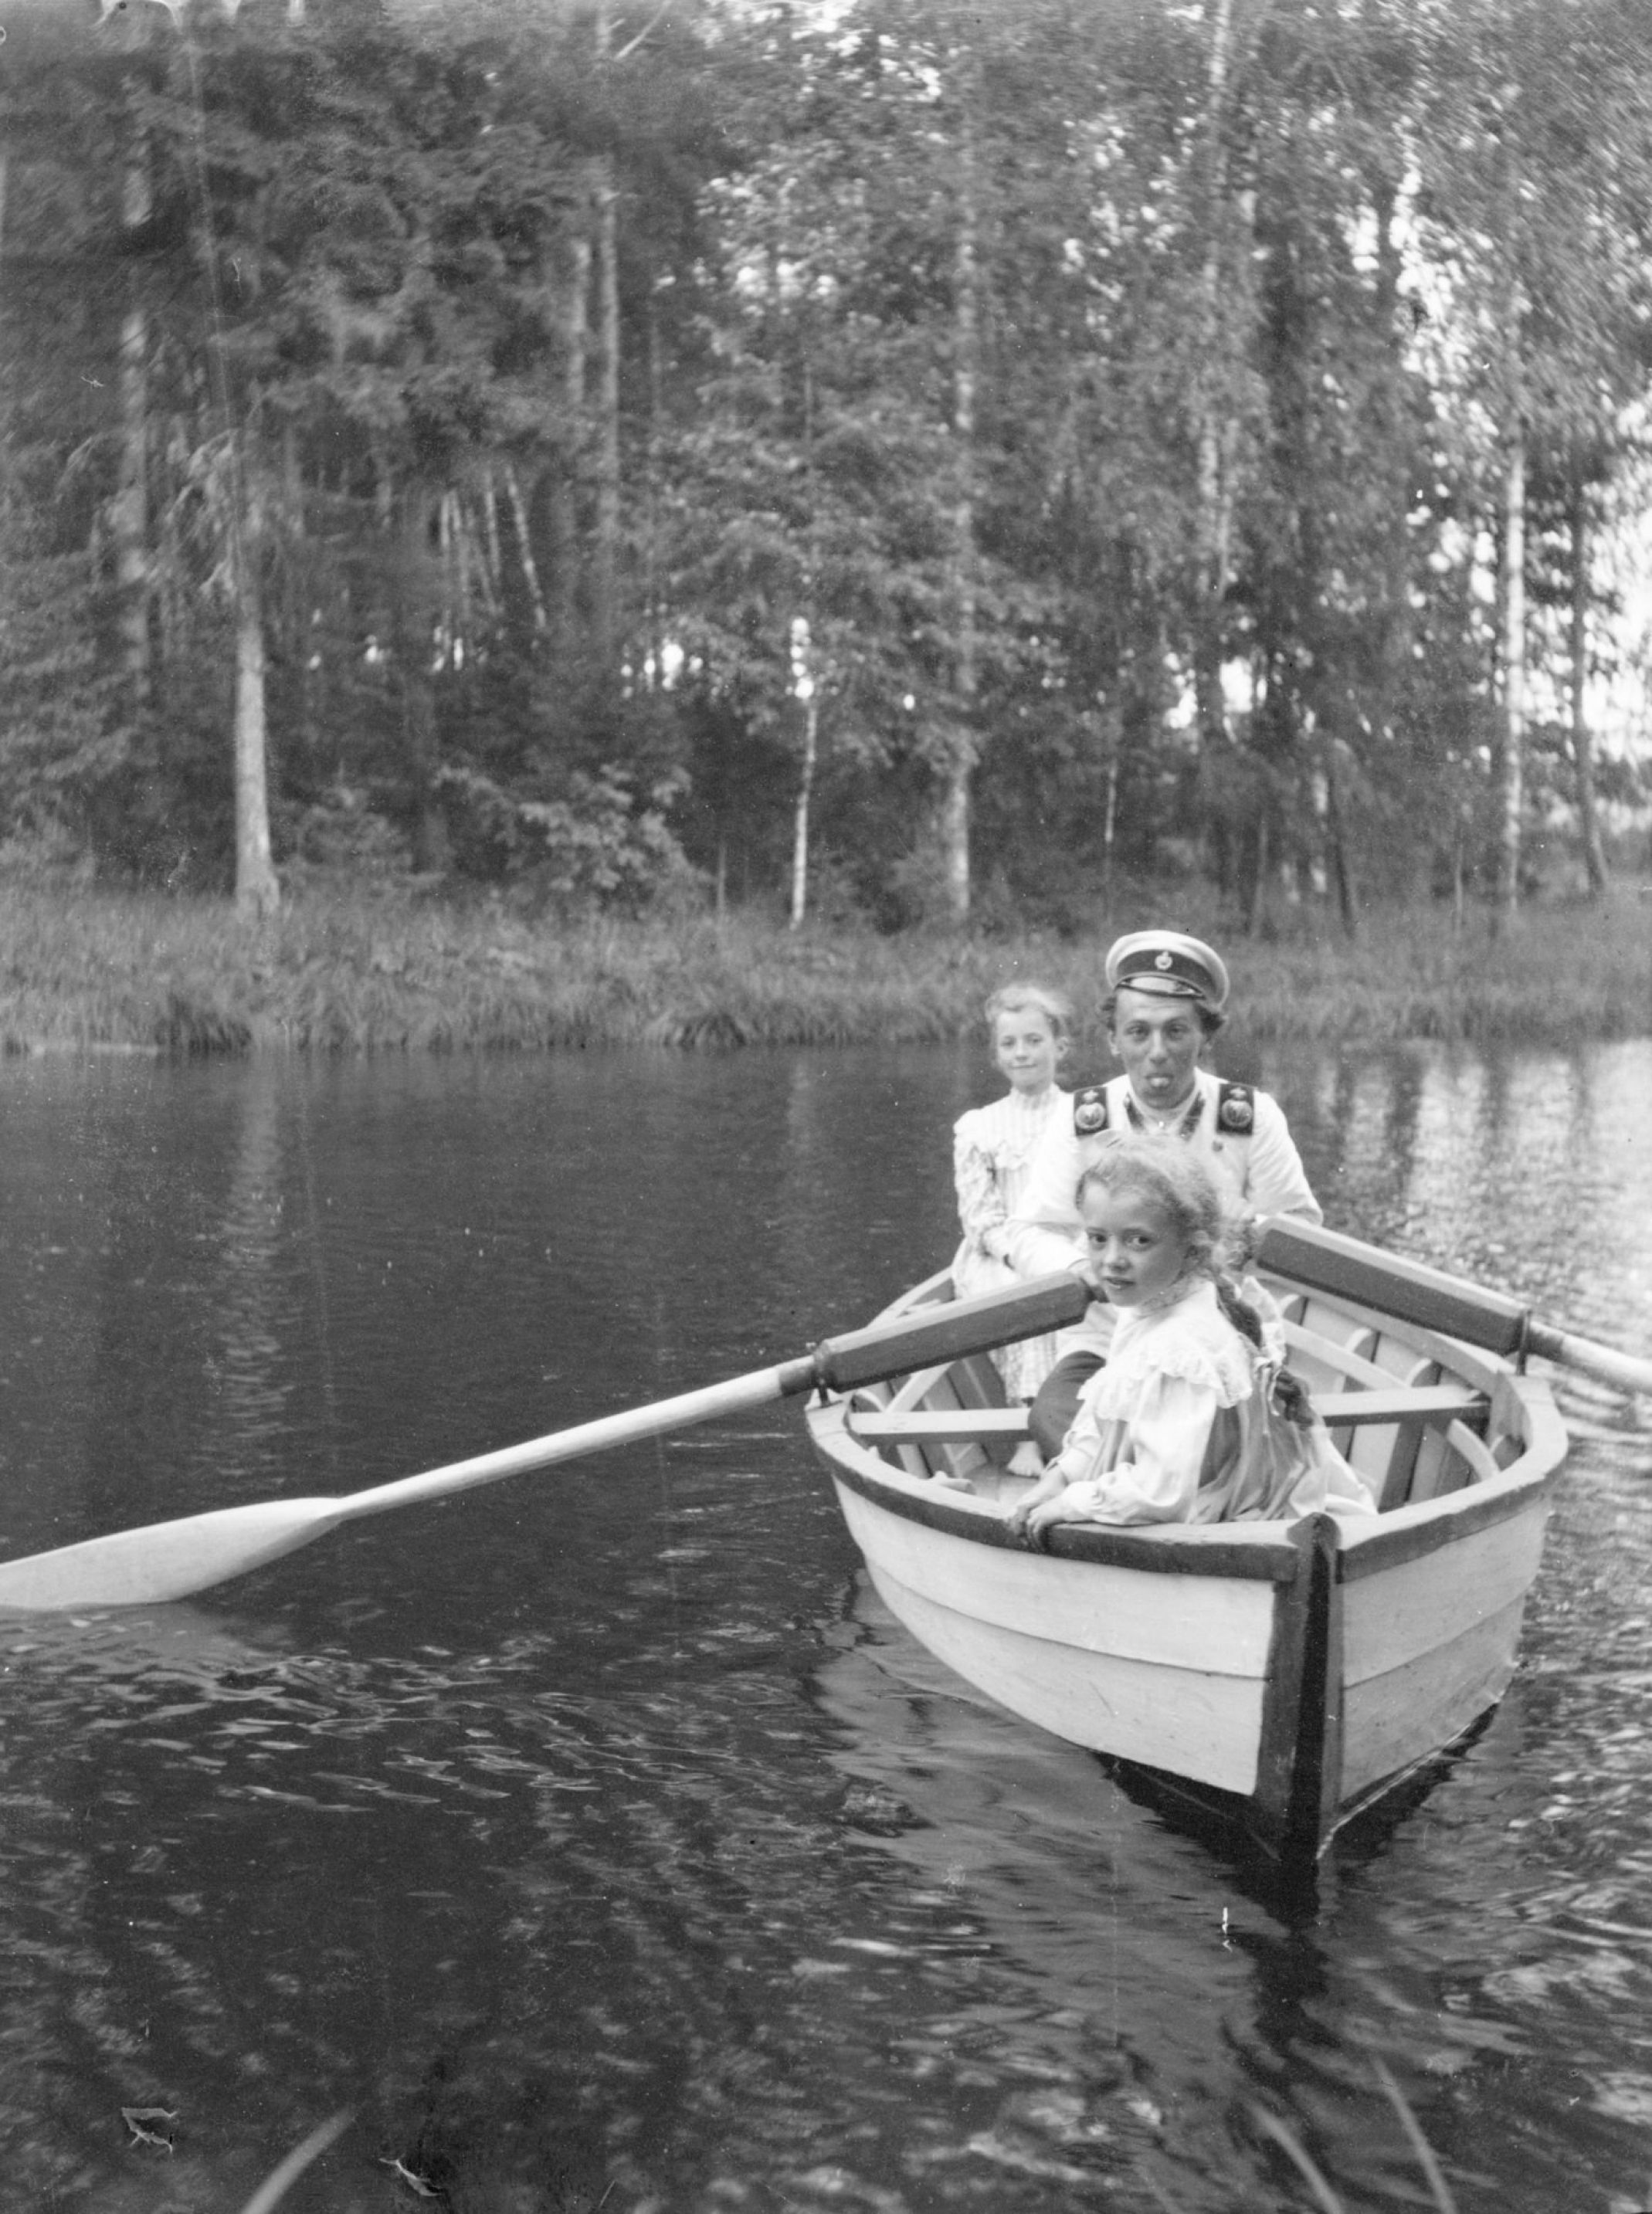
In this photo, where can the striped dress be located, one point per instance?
(992, 1148)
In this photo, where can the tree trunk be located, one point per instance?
(1109, 828)
(1595, 860)
(605, 561)
(563, 504)
(519, 516)
(1511, 793)
(1209, 398)
(800, 813)
(1511, 777)
(1256, 910)
(491, 526)
(129, 506)
(605, 552)
(1458, 858)
(1398, 621)
(805, 683)
(6, 371)
(257, 893)
(654, 597)
(1337, 840)
(299, 610)
(416, 614)
(954, 822)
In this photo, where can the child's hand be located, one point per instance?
(1042, 1518)
(1036, 1509)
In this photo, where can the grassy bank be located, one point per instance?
(91, 969)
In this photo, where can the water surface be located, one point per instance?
(595, 1837)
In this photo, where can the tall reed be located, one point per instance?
(353, 972)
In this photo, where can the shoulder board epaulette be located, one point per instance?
(1236, 1108)
(1090, 1111)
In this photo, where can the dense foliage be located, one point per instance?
(900, 457)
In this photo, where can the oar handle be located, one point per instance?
(1329, 1260)
(1605, 1361)
(950, 1330)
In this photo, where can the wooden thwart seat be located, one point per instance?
(1410, 1436)
(1411, 1443)
(1428, 1404)
(961, 1433)
(953, 1425)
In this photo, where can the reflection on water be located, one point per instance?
(1533, 1173)
(598, 1837)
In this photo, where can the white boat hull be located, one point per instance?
(1300, 1671)
(1082, 1657)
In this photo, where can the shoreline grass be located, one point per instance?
(93, 970)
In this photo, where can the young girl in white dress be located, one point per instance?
(1194, 1418)
(1031, 1032)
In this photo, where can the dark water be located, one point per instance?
(595, 1837)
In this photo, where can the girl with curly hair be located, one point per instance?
(1194, 1417)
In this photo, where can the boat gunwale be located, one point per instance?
(1258, 1550)
(1253, 1549)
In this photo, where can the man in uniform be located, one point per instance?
(1165, 997)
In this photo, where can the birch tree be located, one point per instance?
(257, 891)
(958, 767)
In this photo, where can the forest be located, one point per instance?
(896, 461)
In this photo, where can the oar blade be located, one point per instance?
(164, 1560)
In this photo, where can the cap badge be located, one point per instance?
(1161, 961)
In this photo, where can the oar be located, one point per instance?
(1605, 1362)
(1328, 1261)
(169, 1560)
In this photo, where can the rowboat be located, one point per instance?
(1292, 1675)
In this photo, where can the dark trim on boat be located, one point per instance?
(1125, 1548)
(1363, 1822)
(1472, 1508)
(1321, 1260)
(1299, 1764)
